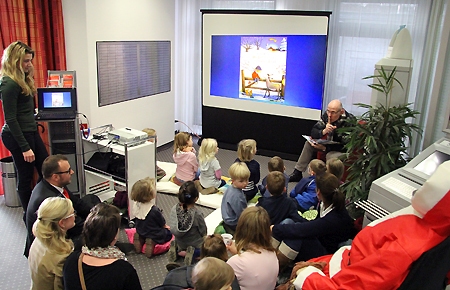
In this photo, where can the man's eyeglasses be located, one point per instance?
(64, 172)
(333, 112)
(71, 215)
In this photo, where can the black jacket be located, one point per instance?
(316, 132)
(41, 191)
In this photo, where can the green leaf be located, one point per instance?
(376, 140)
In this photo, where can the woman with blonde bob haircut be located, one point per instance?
(51, 248)
(254, 262)
(212, 273)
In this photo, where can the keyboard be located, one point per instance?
(55, 115)
(400, 187)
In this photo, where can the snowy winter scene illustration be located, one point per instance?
(263, 68)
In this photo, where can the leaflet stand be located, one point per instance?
(64, 135)
(61, 79)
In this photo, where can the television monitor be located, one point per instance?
(57, 103)
(421, 167)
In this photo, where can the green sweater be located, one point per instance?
(18, 110)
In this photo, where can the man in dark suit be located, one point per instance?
(334, 117)
(57, 175)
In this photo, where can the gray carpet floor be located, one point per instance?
(14, 273)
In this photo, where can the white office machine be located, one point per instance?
(127, 135)
(394, 190)
(399, 55)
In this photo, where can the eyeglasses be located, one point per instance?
(63, 172)
(333, 112)
(70, 215)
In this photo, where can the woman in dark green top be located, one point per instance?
(19, 133)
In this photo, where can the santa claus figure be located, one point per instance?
(381, 255)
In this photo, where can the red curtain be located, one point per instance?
(40, 25)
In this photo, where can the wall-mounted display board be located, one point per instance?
(128, 70)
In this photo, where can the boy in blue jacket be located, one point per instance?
(304, 192)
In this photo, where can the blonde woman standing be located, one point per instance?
(51, 248)
(19, 133)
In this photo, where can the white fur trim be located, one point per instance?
(287, 251)
(433, 190)
(404, 211)
(335, 261)
(275, 243)
(304, 273)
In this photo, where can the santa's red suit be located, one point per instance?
(381, 254)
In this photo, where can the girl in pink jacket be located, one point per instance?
(184, 157)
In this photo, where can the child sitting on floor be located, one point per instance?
(280, 208)
(275, 164)
(246, 153)
(305, 190)
(184, 157)
(336, 167)
(210, 171)
(187, 224)
(212, 273)
(254, 259)
(233, 201)
(160, 173)
(151, 226)
(213, 246)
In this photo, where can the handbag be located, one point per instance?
(80, 271)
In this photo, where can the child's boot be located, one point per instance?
(138, 242)
(189, 256)
(149, 246)
(173, 251)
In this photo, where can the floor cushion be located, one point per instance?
(166, 186)
(159, 248)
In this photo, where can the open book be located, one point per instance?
(319, 141)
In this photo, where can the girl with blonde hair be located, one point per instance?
(254, 262)
(246, 153)
(184, 157)
(212, 273)
(210, 171)
(19, 133)
(51, 248)
(213, 246)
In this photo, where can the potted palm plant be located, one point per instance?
(378, 139)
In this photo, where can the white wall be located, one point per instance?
(88, 21)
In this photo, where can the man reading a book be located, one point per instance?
(334, 117)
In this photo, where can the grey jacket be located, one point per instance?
(188, 226)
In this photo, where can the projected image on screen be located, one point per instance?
(276, 69)
(265, 62)
(263, 68)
